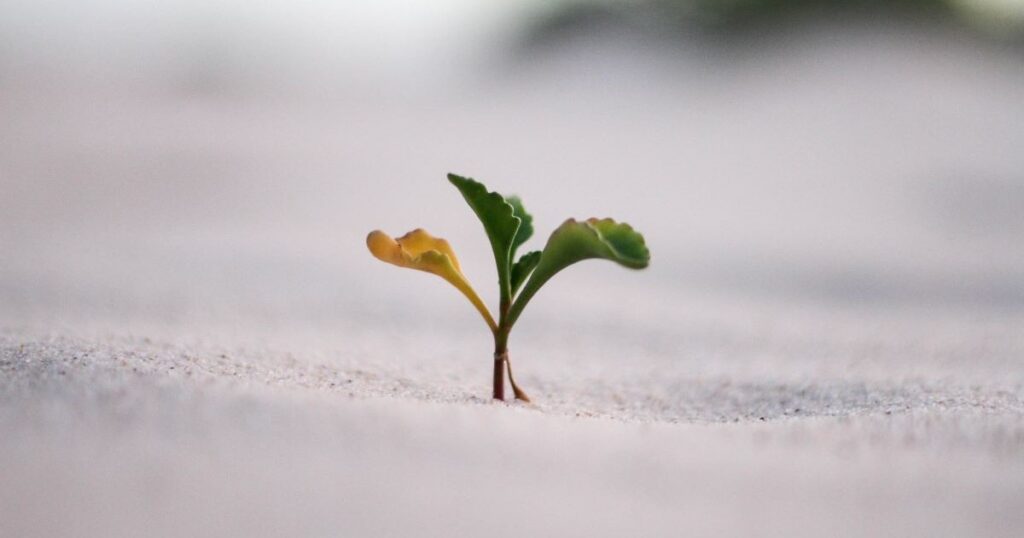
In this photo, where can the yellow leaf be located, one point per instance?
(421, 251)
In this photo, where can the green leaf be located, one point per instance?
(525, 229)
(524, 266)
(575, 241)
(522, 269)
(500, 223)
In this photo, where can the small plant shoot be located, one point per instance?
(508, 227)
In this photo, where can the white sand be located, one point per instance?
(830, 340)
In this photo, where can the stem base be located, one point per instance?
(501, 365)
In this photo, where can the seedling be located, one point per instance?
(508, 226)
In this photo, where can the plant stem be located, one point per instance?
(500, 362)
(511, 315)
(520, 395)
(501, 365)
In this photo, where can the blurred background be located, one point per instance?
(195, 341)
(219, 160)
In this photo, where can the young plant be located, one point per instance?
(508, 226)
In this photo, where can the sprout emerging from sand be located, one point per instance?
(508, 226)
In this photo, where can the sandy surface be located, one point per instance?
(829, 342)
